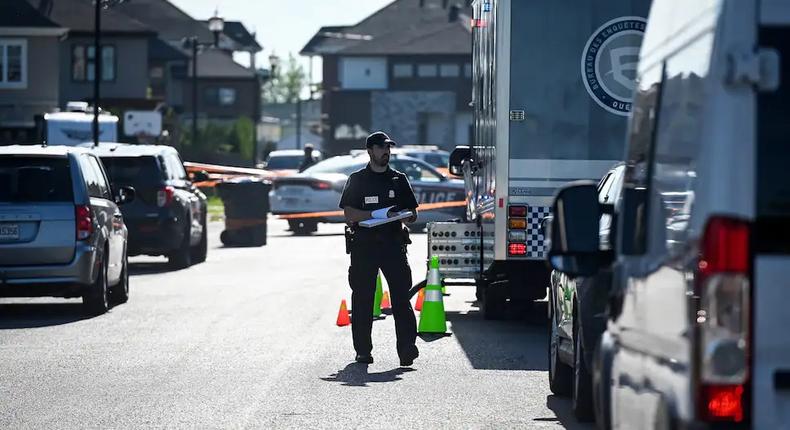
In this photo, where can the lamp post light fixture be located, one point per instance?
(216, 24)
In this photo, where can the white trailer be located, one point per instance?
(75, 126)
(553, 81)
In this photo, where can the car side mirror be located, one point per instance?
(201, 176)
(460, 154)
(125, 195)
(573, 232)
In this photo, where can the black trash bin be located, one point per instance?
(246, 203)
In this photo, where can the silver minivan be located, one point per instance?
(698, 308)
(61, 232)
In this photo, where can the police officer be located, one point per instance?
(373, 189)
(308, 159)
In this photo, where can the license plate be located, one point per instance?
(293, 190)
(9, 231)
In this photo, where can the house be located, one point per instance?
(29, 43)
(226, 89)
(124, 55)
(406, 69)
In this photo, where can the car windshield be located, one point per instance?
(283, 162)
(35, 179)
(132, 170)
(345, 165)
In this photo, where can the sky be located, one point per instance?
(284, 26)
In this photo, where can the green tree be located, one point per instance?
(243, 137)
(287, 83)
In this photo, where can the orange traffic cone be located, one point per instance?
(385, 301)
(342, 317)
(420, 299)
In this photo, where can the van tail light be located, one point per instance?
(321, 185)
(724, 320)
(83, 218)
(165, 196)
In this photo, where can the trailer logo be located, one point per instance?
(609, 63)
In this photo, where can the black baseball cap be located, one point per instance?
(379, 138)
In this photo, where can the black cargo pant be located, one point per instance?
(366, 260)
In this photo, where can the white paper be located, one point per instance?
(373, 222)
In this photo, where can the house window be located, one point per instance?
(468, 70)
(13, 63)
(215, 96)
(403, 71)
(227, 96)
(156, 72)
(427, 70)
(449, 70)
(83, 61)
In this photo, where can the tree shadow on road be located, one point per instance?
(500, 345)
(37, 315)
(357, 375)
(564, 414)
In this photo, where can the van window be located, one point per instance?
(35, 180)
(101, 178)
(678, 137)
(641, 135)
(773, 155)
(91, 179)
(132, 170)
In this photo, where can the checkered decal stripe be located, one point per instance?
(535, 243)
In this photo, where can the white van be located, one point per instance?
(699, 303)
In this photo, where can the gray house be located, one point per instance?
(29, 43)
(124, 54)
(405, 69)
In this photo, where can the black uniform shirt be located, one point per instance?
(368, 190)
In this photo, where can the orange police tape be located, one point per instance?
(422, 207)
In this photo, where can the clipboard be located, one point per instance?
(373, 222)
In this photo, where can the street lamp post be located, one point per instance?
(274, 62)
(215, 24)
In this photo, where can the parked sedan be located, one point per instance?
(318, 190)
(61, 232)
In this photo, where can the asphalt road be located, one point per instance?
(248, 340)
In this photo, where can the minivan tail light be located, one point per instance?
(165, 196)
(83, 221)
(723, 319)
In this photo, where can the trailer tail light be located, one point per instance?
(321, 185)
(724, 403)
(83, 221)
(723, 319)
(517, 211)
(165, 196)
(517, 223)
(517, 249)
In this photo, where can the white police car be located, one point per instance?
(317, 190)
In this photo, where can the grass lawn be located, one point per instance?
(216, 210)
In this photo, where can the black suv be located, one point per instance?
(168, 217)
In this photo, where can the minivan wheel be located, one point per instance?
(200, 251)
(560, 374)
(182, 257)
(95, 299)
(582, 381)
(120, 293)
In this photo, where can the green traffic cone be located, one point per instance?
(432, 318)
(377, 298)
